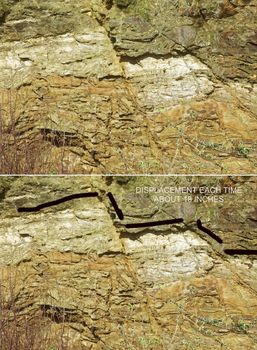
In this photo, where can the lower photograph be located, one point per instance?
(128, 262)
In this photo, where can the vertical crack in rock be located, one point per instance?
(128, 87)
(90, 282)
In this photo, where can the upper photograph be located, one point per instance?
(128, 87)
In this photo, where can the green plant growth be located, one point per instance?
(242, 326)
(141, 8)
(148, 340)
(243, 150)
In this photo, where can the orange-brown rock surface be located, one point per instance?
(103, 285)
(128, 86)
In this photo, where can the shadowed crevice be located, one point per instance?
(135, 225)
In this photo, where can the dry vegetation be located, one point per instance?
(23, 330)
(21, 154)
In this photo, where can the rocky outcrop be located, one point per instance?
(108, 283)
(163, 87)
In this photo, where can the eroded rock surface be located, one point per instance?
(133, 86)
(159, 287)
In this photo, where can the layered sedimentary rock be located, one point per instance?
(110, 285)
(133, 86)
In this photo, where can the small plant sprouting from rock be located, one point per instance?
(242, 326)
(243, 150)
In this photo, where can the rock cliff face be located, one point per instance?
(127, 87)
(119, 86)
(109, 283)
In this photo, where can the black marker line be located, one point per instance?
(136, 225)
(115, 206)
(240, 251)
(57, 201)
(154, 223)
(209, 232)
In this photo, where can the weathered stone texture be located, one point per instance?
(105, 72)
(163, 287)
